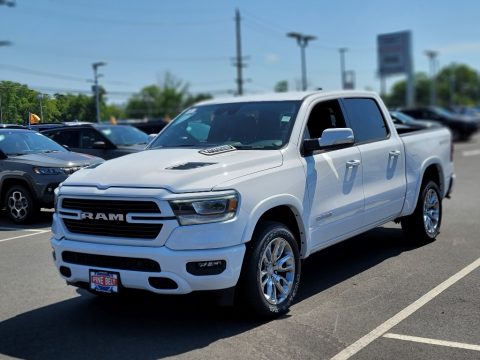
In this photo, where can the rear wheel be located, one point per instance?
(424, 224)
(19, 204)
(271, 273)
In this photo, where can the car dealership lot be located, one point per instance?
(372, 297)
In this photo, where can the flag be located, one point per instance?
(33, 118)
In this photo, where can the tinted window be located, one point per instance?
(365, 119)
(68, 138)
(89, 137)
(324, 115)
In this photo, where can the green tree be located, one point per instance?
(167, 99)
(17, 101)
(455, 85)
(281, 86)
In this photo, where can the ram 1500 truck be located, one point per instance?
(236, 193)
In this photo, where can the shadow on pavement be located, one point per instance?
(151, 326)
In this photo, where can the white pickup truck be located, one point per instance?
(236, 193)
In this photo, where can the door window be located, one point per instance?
(324, 115)
(365, 119)
(68, 138)
(89, 137)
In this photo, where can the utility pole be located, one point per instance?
(342, 65)
(238, 62)
(302, 41)
(432, 56)
(96, 89)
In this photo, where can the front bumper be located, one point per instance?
(172, 264)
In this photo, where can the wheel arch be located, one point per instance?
(7, 182)
(281, 210)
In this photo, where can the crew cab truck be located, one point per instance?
(236, 193)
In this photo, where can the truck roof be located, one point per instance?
(286, 96)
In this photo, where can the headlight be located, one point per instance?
(55, 196)
(207, 210)
(48, 171)
(55, 171)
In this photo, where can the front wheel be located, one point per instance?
(424, 224)
(272, 270)
(19, 204)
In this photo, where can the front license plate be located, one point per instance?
(104, 281)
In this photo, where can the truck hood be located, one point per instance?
(176, 170)
(57, 159)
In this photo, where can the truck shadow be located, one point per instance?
(151, 326)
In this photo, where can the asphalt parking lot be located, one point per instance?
(372, 297)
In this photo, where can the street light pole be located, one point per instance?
(342, 65)
(302, 41)
(432, 56)
(95, 67)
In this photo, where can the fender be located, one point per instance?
(274, 201)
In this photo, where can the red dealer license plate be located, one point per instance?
(104, 281)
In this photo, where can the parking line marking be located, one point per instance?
(22, 236)
(471, 152)
(19, 229)
(403, 314)
(433, 341)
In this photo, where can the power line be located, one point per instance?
(51, 75)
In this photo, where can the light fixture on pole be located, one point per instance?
(302, 41)
(432, 56)
(96, 75)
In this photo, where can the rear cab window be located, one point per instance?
(365, 119)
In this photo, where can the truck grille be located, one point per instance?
(112, 262)
(112, 227)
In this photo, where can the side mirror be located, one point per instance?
(331, 138)
(150, 138)
(336, 137)
(3, 155)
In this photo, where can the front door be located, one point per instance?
(334, 181)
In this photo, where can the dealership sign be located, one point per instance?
(394, 53)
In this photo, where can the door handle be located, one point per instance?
(395, 153)
(353, 164)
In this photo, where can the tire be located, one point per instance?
(264, 274)
(19, 205)
(424, 224)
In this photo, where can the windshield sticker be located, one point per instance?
(285, 119)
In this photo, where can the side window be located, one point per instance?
(88, 137)
(365, 119)
(324, 115)
(69, 138)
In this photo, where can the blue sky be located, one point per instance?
(56, 41)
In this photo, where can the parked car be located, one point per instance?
(102, 140)
(406, 121)
(462, 127)
(31, 167)
(235, 193)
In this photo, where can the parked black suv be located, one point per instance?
(31, 167)
(462, 127)
(102, 140)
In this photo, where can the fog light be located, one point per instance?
(211, 267)
(65, 271)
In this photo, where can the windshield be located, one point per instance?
(264, 125)
(124, 135)
(24, 142)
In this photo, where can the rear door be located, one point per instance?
(334, 180)
(382, 156)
